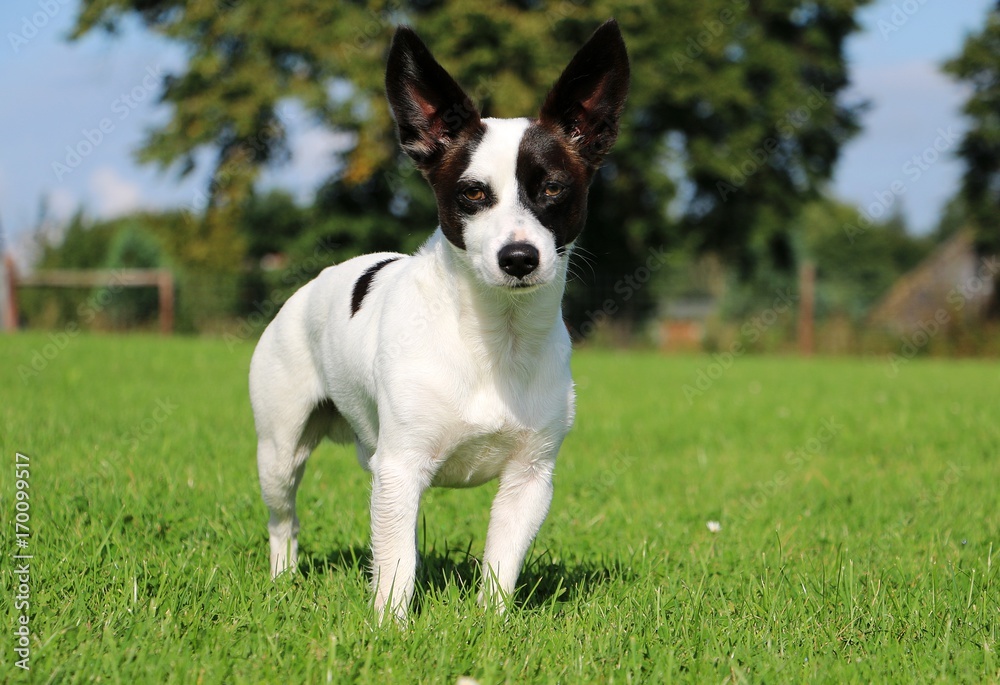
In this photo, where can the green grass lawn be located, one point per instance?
(859, 541)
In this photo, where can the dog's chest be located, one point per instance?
(478, 459)
(488, 433)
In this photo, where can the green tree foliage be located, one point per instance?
(855, 264)
(81, 246)
(271, 222)
(139, 240)
(132, 248)
(855, 269)
(978, 65)
(734, 120)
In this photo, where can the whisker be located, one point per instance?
(585, 260)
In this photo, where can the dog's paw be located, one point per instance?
(495, 600)
(398, 616)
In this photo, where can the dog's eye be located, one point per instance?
(552, 190)
(474, 194)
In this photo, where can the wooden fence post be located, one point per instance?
(8, 290)
(165, 284)
(807, 301)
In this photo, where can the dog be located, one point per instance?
(449, 367)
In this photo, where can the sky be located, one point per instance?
(74, 112)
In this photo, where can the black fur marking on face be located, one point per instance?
(363, 283)
(446, 180)
(547, 159)
(439, 126)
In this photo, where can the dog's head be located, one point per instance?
(511, 193)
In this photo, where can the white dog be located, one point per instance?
(449, 367)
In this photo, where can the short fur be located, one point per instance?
(449, 367)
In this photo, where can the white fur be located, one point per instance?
(445, 376)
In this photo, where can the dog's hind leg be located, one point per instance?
(281, 460)
(278, 485)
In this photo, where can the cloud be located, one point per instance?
(912, 103)
(909, 100)
(112, 194)
(314, 152)
(315, 157)
(62, 204)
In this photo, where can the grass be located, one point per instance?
(860, 522)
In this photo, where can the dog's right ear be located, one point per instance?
(431, 109)
(586, 102)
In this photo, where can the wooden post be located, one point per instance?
(9, 292)
(165, 284)
(807, 299)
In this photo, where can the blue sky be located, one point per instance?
(59, 94)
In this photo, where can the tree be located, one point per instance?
(978, 65)
(132, 247)
(733, 122)
(855, 269)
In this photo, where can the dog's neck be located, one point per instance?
(505, 324)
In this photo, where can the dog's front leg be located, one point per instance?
(518, 512)
(396, 493)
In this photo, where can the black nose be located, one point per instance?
(518, 259)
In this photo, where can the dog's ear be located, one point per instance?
(431, 109)
(586, 102)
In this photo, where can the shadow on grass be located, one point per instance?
(354, 559)
(542, 582)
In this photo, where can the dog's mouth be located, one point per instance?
(522, 286)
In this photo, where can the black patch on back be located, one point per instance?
(545, 156)
(364, 282)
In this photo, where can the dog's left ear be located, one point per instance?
(431, 109)
(586, 102)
